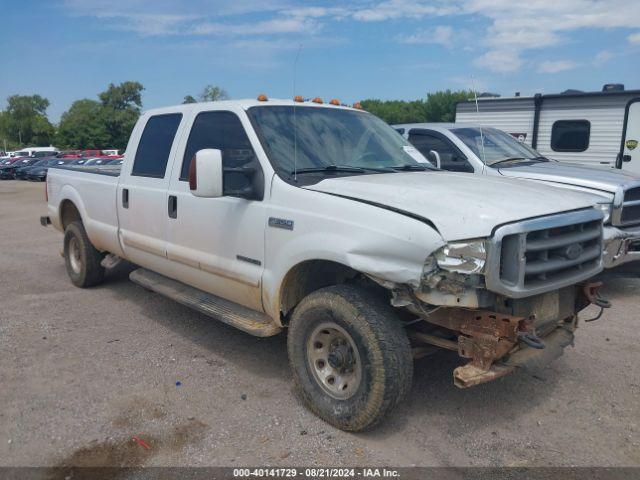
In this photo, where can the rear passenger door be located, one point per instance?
(142, 190)
(451, 158)
(216, 244)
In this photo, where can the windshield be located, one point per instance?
(330, 137)
(498, 145)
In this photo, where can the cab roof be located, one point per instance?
(245, 104)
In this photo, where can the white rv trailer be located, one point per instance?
(581, 127)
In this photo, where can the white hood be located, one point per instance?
(460, 205)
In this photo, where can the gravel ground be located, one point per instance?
(84, 371)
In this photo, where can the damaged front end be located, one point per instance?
(496, 332)
(524, 335)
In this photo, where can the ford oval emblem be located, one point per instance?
(573, 251)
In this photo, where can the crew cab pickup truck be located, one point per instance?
(465, 148)
(320, 219)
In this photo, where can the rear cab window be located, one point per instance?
(154, 148)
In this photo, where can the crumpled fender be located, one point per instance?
(380, 243)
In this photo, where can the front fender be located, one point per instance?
(377, 242)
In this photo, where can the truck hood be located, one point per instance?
(460, 206)
(604, 179)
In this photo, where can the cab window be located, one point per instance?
(450, 157)
(154, 148)
(222, 131)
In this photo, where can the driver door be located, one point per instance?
(216, 244)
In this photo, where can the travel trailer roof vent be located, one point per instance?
(488, 95)
(613, 87)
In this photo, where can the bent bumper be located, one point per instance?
(621, 245)
(524, 358)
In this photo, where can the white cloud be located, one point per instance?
(603, 57)
(536, 24)
(556, 66)
(394, 9)
(500, 61)
(512, 28)
(442, 35)
(268, 27)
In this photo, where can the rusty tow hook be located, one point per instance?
(591, 291)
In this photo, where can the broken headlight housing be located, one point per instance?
(468, 257)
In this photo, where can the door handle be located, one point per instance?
(626, 158)
(173, 206)
(125, 197)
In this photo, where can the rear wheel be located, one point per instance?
(81, 258)
(350, 356)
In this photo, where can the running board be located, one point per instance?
(243, 318)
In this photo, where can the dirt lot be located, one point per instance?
(83, 371)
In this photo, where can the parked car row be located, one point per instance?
(53, 151)
(35, 169)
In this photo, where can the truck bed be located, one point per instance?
(93, 191)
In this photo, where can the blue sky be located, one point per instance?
(71, 49)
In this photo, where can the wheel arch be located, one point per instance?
(68, 212)
(308, 276)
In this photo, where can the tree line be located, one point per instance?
(107, 122)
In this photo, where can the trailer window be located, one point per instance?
(570, 135)
(154, 148)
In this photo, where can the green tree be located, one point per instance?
(83, 126)
(438, 107)
(189, 99)
(211, 93)
(120, 111)
(396, 111)
(25, 120)
(441, 106)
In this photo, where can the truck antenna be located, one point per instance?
(295, 123)
(475, 97)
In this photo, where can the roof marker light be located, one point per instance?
(262, 97)
(317, 100)
(298, 98)
(335, 101)
(357, 105)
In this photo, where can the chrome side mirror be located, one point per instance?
(434, 157)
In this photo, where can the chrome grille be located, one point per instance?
(546, 253)
(630, 212)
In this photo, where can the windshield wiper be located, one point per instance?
(329, 169)
(516, 159)
(504, 160)
(411, 167)
(344, 168)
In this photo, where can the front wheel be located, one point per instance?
(350, 356)
(81, 257)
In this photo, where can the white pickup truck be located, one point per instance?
(469, 148)
(319, 218)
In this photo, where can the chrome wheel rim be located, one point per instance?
(334, 360)
(74, 255)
